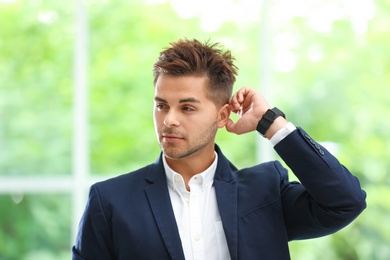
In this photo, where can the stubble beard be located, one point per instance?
(191, 148)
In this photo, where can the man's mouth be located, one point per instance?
(171, 138)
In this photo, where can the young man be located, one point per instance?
(192, 203)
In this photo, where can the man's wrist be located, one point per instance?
(282, 133)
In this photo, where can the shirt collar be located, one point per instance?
(205, 178)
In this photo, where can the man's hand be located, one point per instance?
(250, 106)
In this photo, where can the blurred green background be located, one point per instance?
(325, 63)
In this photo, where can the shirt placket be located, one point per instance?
(195, 219)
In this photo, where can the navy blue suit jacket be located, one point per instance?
(131, 216)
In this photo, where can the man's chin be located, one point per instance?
(170, 154)
(175, 155)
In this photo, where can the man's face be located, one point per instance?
(185, 120)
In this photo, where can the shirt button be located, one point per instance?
(177, 178)
(197, 238)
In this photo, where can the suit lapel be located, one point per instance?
(226, 192)
(158, 196)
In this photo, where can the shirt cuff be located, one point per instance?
(282, 133)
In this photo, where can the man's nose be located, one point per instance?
(171, 119)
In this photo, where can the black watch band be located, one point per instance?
(267, 119)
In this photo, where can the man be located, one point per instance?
(192, 203)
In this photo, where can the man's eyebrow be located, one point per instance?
(185, 100)
(189, 100)
(158, 99)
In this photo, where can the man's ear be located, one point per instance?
(223, 115)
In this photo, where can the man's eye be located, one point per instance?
(188, 109)
(160, 106)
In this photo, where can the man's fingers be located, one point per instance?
(234, 104)
(238, 99)
(230, 126)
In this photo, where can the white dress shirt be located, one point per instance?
(196, 211)
(197, 215)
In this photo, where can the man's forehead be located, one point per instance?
(180, 91)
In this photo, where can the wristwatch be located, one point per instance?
(267, 119)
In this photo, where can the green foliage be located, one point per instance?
(35, 91)
(34, 225)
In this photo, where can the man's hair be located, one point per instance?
(191, 57)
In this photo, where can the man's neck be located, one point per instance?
(191, 165)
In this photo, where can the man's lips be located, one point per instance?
(168, 137)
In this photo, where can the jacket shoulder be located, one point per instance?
(261, 183)
(272, 170)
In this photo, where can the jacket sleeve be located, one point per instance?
(94, 239)
(328, 196)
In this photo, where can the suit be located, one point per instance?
(131, 216)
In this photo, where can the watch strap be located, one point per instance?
(267, 119)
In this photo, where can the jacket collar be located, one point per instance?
(226, 191)
(160, 203)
